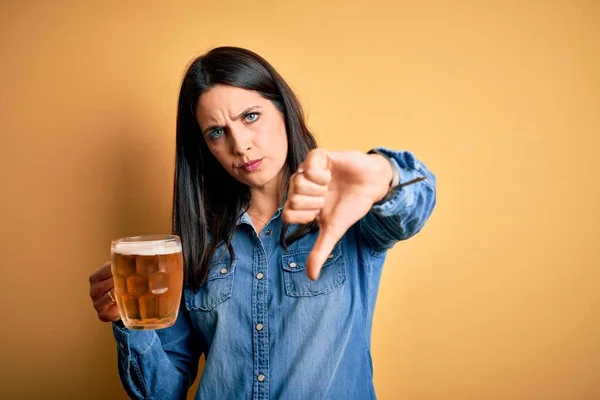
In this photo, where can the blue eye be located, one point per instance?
(251, 117)
(216, 133)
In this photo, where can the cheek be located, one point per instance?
(281, 139)
(276, 143)
(280, 150)
(222, 157)
(283, 144)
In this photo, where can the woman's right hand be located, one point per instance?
(101, 284)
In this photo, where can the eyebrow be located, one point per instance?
(246, 111)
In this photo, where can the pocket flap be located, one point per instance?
(295, 260)
(221, 269)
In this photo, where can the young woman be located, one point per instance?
(301, 233)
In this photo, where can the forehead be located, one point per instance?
(224, 100)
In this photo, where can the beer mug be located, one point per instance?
(148, 277)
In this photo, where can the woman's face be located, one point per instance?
(245, 132)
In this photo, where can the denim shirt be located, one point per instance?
(269, 332)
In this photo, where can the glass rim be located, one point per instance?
(152, 238)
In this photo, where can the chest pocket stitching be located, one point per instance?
(297, 284)
(217, 288)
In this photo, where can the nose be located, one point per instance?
(239, 139)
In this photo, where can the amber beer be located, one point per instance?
(148, 277)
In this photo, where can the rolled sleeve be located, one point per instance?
(405, 212)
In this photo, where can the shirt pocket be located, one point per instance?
(217, 288)
(298, 284)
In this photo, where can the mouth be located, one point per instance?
(251, 165)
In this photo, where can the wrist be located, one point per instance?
(385, 174)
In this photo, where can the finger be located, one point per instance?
(101, 273)
(324, 244)
(317, 166)
(103, 301)
(299, 216)
(317, 175)
(110, 314)
(301, 202)
(97, 289)
(302, 185)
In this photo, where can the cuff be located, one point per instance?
(402, 196)
(133, 340)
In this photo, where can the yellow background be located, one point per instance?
(495, 299)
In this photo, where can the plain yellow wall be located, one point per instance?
(495, 299)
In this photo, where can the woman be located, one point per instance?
(300, 232)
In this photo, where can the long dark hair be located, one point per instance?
(207, 201)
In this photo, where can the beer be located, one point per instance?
(148, 278)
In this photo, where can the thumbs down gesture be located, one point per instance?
(337, 188)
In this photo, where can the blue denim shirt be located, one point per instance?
(267, 331)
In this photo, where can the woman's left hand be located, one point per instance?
(337, 188)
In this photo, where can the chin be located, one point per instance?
(259, 179)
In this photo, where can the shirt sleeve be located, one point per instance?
(160, 363)
(405, 212)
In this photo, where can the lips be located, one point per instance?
(251, 165)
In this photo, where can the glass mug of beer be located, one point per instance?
(148, 277)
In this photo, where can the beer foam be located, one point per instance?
(149, 248)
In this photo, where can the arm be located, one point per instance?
(161, 363)
(405, 211)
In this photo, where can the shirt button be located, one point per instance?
(224, 270)
(259, 327)
(260, 377)
(268, 232)
(293, 265)
(330, 256)
(260, 275)
(122, 345)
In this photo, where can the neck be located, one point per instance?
(265, 200)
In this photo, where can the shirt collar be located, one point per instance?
(246, 219)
